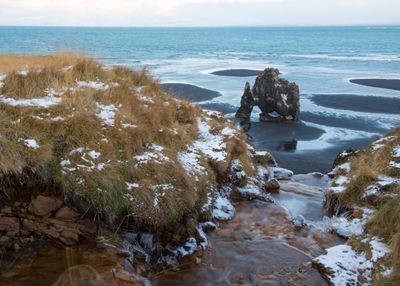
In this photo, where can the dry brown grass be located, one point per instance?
(366, 167)
(157, 119)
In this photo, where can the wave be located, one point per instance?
(369, 57)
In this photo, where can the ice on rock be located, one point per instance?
(223, 209)
(188, 249)
(282, 173)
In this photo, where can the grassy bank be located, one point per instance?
(370, 179)
(110, 143)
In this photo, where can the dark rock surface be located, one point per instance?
(272, 95)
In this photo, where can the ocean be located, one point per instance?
(321, 60)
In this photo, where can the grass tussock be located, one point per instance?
(386, 224)
(94, 143)
(367, 167)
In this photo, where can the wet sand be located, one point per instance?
(237, 72)
(376, 82)
(372, 104)
(350, 122)
(189, 91)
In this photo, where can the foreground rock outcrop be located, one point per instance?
(272, 95)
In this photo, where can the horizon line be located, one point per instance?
(206, 26)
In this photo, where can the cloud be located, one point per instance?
(197, 12)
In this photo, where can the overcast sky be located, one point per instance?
(198, 12)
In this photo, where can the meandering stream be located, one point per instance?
(259, 246)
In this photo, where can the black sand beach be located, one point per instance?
(314, 160)
(376, 82)
(237, 72)
(372, 104)
(189, 91)
(270, 136)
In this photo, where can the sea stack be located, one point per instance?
(272, 95)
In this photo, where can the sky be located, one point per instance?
(199, 12)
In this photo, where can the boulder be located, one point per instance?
(272, 185)
(65, 213)
(43, 206)
(282, 173)
(69, 236)
(278, 99)
(299, 222)
(9, 224)
(344, 157)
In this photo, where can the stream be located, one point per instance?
(259, 246)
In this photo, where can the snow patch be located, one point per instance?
(346, 227)
(31, 143)
(95, 85)
(153, 155)
(343, 266)
(44, 102)
(394, 165)
(107, 113)
(223, 209)
(396, 152)
(379, 144)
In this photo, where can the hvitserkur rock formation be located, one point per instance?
(272, 95)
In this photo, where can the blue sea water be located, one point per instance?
(321, 60)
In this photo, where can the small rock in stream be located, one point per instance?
(299, 222)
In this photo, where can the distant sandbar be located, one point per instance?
(189, 92)
(372, 104)
(375, 82)
(237, 72)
